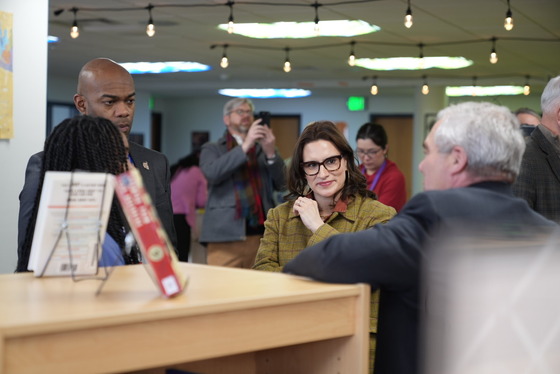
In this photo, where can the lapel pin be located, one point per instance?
(145, 165)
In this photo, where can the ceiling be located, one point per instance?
(446, 27)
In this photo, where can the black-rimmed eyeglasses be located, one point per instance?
(312, 168)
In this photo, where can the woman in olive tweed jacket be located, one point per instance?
(327, 195)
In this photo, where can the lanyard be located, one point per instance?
(377, 174)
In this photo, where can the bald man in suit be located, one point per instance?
(105, 89)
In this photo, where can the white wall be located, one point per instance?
(30, 87)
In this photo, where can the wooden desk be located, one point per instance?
(228, 321)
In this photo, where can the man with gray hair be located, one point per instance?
(243, 169)
(527, 116)
(539, 177)
(471, 157)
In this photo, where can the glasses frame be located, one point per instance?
(241, 112)
(338, 157)
(369, 152)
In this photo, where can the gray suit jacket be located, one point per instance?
(153, 167)
(219, 166)
(539, 178)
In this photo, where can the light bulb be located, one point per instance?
(287, 66)
(224, 63)
(425, 89)
(493, 57)
(230, 27)
(150, 29)
(74, 32)
(352, 60)
(408, 19)
(317, 29)
(374, 90)
(508, 23)
(526, 90)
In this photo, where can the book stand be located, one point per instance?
(64, 233)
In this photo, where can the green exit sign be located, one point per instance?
(356, 103)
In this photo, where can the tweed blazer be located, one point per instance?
(539, 177)
(285, 235)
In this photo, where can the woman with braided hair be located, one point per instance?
(89, 144)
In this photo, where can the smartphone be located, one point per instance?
(265, 118)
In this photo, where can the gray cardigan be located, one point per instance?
(219, 167)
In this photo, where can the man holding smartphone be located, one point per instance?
(243, 169)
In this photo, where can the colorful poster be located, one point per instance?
(6, 76)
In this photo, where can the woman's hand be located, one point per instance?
(308, 210)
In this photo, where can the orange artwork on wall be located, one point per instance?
(6, 76)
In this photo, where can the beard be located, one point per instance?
(243, 127)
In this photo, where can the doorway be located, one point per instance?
(286, 131)
(155, 131)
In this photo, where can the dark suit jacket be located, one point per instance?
(539, 178)
(153, 167)
(390, 257)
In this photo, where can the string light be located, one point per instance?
(425, 87)
(150, 29)
(317, 29)
(493, 54)
(508, 22)
(374, 89)
(408, 17)
(224, 63)
(74, 31)
(287, 63)
(527, 87)
(352, 57)
(230, 19)
(421, 55)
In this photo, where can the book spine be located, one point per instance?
(147, 230)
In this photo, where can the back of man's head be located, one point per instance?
(527, 116)
(550, 98)
(488, 133)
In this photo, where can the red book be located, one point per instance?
(157, 251)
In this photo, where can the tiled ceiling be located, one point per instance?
(445, 27)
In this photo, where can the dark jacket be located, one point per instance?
(153, 167)
(539, 178)
(390, 257)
